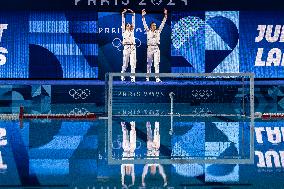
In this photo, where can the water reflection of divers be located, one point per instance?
(3, 142)
(129, 146)
(2, 165)
(153, 152)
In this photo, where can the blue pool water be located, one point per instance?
(76, 154)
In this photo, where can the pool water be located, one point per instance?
(77, 154)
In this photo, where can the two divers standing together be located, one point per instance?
(153, 42)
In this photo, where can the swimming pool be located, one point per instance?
(75, 154)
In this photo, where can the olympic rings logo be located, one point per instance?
(80, 111)
(202, 94)
(79, 93)
(199, 111)
(117, 43)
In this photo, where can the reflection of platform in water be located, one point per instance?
(189, 142)
(202, 111)
(220, 101)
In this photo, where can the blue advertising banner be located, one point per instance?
(62, 44)
(261, 44)
(86, 44)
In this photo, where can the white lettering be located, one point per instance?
(258, 134)
(185, 2)
(3, 142)
(268, 35)
(268, 157)
(274, 56)
(282, 157)
(171, 3)
(76, 2)
(94, 2)
(273, 135)
(3, 59)
(282, 131)
(125, 3)
(2, 28)
(116, 30)
(282, 35)
(261, 29)
(258, 61)
(261, 161)
(142, 2)
(104, 1)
